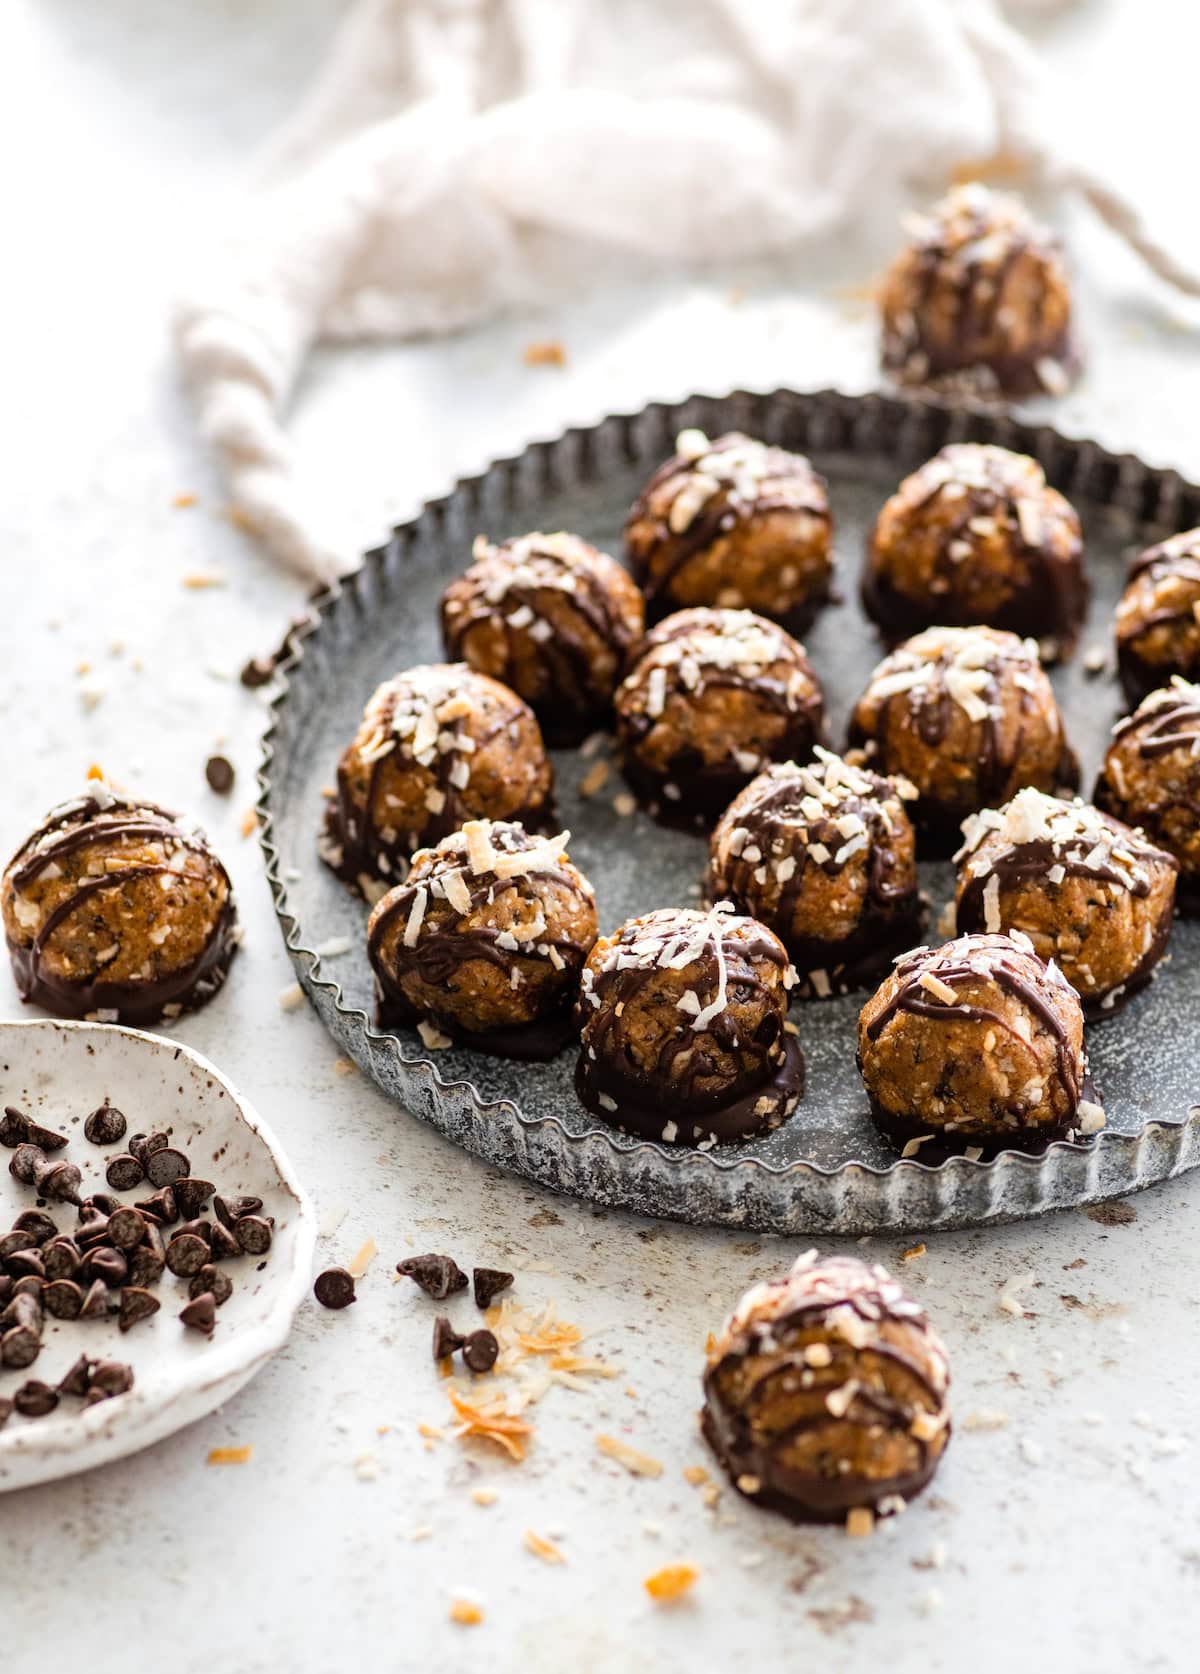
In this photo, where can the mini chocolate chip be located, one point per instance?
(213, 1280)
(25, 1160)
(103, 1202)
(45, 1138)
(231, 1209)
(92, 1229)
(29, 1284)
(6, 1408)
(14, 1127)
(445, 1338)
(18, 1239)
(187, 1254)
(480, 1351)
(200, 1314)
(96, 1301)
(35, 1399)
(439, 1276)
(136, 1304)
(36, 1221)
(489, 1282)
(60, 1258)
(60, 1182)
(253, 1233)
(126, 1229)
(145, 1266)
(334, 1288)
(75, 1379)
(124, 1172)
(63, 1298)
(22, 1262)
(259, 671)
(108, 1378)
(223, 1243)
(105, 1126)
(19, 1346)
(103, 1262)
(218, 770)
(196, 1229)
(166, 1166)
(162, 1207)
(191, 1195)
(24, 1308)
(142, 1145)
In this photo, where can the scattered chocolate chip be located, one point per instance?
(124, 1172)
(105, 1126)
(36, 1221)
(103, 1202)
(60, 1182)
(14, 1127)
(29, 1284)
(218, 770)
(136, 1304)
(446, 1340)
(439, 1276)
(165, 1166)
(489, 1282)
(24, 1308)
(200, 1314)
(191, 1195)
(259, 671)
(480, 1350)
(106, 1264)
(60, 1258)
(195, 1229)
(35, 1399)
(63, 1298)
(334, 1288)
(95, 1302)
(20, 1346)
(146, 1266)
(24, 1161)
(253, 1233)
(6, 1408)
(162, 1207)
(187, 1254)
(18, 1239)
(92, 1229)
(213, 1280)
(223, 1243)
(231, 1209)
(108, 1378)
(22, 1262)
(77, 1377)
(126, 1228)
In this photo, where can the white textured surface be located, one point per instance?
(1069, 1543)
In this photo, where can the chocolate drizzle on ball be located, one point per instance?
(1150, 778)
(827, 1391)
(824, 856)
(1158, 616)
(683, 1034)
(90, 837)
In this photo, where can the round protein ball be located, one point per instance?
(1158, 616)
(977, 1040)
(713, 697)
(824, 856)
(486, 940)
(733, 523)
(683, 1033)
(437, 745)
(1089, 893)
(554, 619)
(976, 535)
(826, 1392)
(978, 301)
(118, 911)
(1150, 778)
(968, 717)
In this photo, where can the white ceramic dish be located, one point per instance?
(57, 1073)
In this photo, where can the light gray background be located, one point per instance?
(1070, 1535)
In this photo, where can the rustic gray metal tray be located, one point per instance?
(828, 1169)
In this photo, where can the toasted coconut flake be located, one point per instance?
(492, 1423)
(484, 1496)
(291, 998)
(465, 1612)
(594, 779)
(230, 1455)
(860, 1521)
(637, 1464)
(542, 1548)
(913, 1252)
(671, 1582)
(249, 822)
(357, 1266)
(695, 1474)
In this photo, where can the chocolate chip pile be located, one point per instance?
(115, 1255)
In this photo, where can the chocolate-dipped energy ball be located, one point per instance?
(824, 855)
(1151, 778)
(116, 910)
(978, 1040)
(486, 939)
(553, 618)
(968, 716)
(683, 1034)
(713, 697)
(1089, 893)
(826, 1391)
(1158, 616)
(977, 535)
(979, 300)
(733, 523)
(437, 745)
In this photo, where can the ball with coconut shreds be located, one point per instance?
(1150, 778)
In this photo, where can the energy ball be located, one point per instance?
(976, 535)
(553, 618)
(117, 911)
(824, 856)
(437, 745)
(1158, 616)
(968, 717)
(1151, 778)
(977, 1040)
(713, 697)
(733, 523)
(486, 939)
(826, 1392)
(1088, 892)
(683, 1034)
(978, 301)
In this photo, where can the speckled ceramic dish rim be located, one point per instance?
(750, 1192)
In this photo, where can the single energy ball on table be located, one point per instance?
(437, 745)
(733, 523)
(1090, 894)
(118, 911)
(713, 697)
(826, 1392)
(552, 618)
(683, 1032)
(824, 855)
(979, 301)
(968, 717)
(1150, 778)
(486, 939)
(1158, 616)
(977, 1040)
(977, 535)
